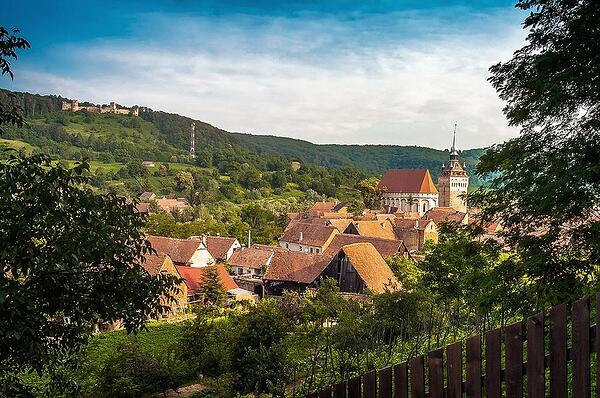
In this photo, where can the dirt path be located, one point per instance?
(183, 392)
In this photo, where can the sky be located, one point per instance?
(337, 71)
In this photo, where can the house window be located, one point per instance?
(311, 250)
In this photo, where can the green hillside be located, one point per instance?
(162, 136)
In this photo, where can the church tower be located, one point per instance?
(453, 182)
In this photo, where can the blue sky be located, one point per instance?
(376, 72)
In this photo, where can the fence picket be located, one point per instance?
(385, 383)
(395, 381)
(339, 390)
(558, 351)
(435, 363)
(417, 377)
(581, 349)
(513, 341)
(454, 363)
(370, 385)
(493, 358)
(401, 380)
(354, 387)
(325, 393)
(473, 385)
(597, 345)
(535, 357)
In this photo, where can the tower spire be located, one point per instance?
(453, 149)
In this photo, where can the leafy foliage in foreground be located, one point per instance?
(70, 258)
(545, 184)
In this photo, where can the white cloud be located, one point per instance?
(307, 80)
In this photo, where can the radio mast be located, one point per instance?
(193, 141)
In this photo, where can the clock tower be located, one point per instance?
(453, 182)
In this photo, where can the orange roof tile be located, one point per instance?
(194, 277)
(407, 181)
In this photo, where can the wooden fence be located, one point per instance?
(532, 362)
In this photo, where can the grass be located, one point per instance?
(15, 144)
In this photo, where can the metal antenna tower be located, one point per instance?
(193, 141)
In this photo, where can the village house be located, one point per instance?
(250, 261)
(307, 237)
(184, 252)
(414, 233)
(294, 271)
(151, 202)
(408, 190)
(375, 229)
(446, 214)
(320, 209)
(359, 267)
(355, 267)
(147, 196)
(161, 263)
(194, 278)
(385, 247)
(221, 247)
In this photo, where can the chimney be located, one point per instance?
(204, 240)
(301, 236)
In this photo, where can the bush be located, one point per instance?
(130, 372)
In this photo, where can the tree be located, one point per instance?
(371, 194)
(10, 112)
(471, 275)
(70, 258)
(212, 289)
(184, 181)
(545, 184)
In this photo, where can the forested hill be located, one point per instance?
(160, 134)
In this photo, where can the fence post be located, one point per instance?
(385, 383)
(435, 363)
(513, 341)
(401, 380)
(339, 390)
(417, 377)
(558, 351)
(454, 364)
(354, 387)
(493, 376)
(473, 386)
(581, 348)
(535, 357)
(370, 384)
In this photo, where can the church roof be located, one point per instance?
(407, 181)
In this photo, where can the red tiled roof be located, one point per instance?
(218, 246)
(154, 263)
(323, 206)
(385, 247)
(143, 208)
(252, 257)
(296, 267)
(440, 214)
(180, 250)
(407, 181)
(193, 277)
(312, 234)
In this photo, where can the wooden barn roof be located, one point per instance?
(371, 267)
